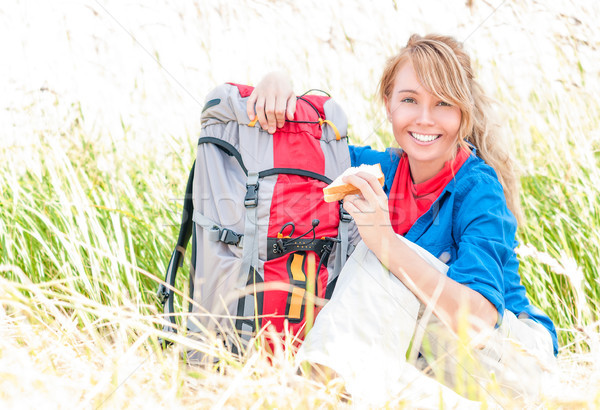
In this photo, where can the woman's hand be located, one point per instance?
(371, 214)
(272, 100)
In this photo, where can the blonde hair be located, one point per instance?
(444, 69)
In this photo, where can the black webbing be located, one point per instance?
(227, 147)
(185, 232)
(294, 171)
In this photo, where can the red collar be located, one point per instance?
(408, 201)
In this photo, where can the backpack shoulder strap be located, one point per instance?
(165, 293)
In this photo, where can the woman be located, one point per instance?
(450, 195)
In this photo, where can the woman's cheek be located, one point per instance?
(451, 118)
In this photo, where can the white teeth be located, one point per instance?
(423, 137)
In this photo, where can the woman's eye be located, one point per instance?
(408, 100)
(444, 104)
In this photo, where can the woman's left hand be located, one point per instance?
(371, 213)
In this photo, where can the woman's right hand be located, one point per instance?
(272, 100)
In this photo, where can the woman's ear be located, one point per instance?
(387, 108)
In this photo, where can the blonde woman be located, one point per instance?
(443, 225)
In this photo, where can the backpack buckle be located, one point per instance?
(344, 215)
(230, 237)
(163, 294)
(251, 198)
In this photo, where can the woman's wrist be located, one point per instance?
(387, 246)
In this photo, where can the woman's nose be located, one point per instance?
(425, 116)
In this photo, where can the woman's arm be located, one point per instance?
(272, 100)
(423, 280)
(371, 214)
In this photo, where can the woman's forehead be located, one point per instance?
(407, 81)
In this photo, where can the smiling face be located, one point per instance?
(425, 127)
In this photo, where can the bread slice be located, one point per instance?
(337, 190)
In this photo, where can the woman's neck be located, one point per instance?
(421, 172)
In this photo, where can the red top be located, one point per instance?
(408, 201)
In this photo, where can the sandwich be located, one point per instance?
(337, 190)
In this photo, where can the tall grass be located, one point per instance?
(90, 195)
(560, 193)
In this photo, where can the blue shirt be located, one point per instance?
(471, 222)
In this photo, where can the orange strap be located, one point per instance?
(253, 122)
(337, 133)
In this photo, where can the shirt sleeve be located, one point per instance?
(364, 155)
(485, 230)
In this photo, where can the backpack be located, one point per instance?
(262, 235)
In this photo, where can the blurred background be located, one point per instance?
(146, 66)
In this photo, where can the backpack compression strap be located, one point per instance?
(165, 294)
(342, 249)
(249, 256)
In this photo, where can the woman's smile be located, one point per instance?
(423, 138)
